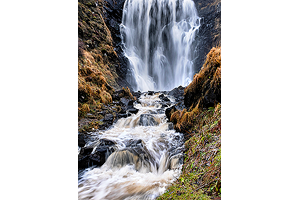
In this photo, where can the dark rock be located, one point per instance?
(83, 162)
(124, 101)
(161, 96)
(169, 111)
(122, 115)
(147, 120)
(81, 141)
(136, 94)
(84, 138)
(115, 97)
(82, 96)
(113, 11)
(133, 110)
(177, 93)
(209, 34)
(102, 152)
(127, 102)
(150, 92)
(86, 151)
(135, 143)
(153, 112)
(163, 105)
(122, 110)
(160, 111)
(170, 126)
(165, 98)
(108, 117)
(105, 142)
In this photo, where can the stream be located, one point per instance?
(142, 155)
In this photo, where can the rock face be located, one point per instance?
(99, 34)
(209, 34)
(99, 27)
(113, 11)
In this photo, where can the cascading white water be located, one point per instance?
(158, 40)
(142, 170)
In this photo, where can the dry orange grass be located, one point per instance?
(92, 83)
(205, 89)
(184, 120)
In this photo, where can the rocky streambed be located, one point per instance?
(136, 153)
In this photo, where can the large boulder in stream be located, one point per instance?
(147, 120)
(88, 158)
(177, 93)
(134, 154)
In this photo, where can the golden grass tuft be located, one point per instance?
(205, 88)
(201, 170)
(128, 93)
(92, 83)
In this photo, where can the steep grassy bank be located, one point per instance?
(97, 66)
(201, 124)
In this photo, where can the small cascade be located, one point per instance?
(142, 155)
(158, 37)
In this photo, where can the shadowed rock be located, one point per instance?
(147, 120)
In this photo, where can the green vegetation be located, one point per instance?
(201, 171)
(201, 125)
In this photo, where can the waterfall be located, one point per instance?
(158, 42)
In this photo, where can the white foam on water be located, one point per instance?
(114, 182)
(158, 38)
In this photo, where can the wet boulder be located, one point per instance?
(150, 92)
(164, 98)
(169, 111)
(108, 118)
(136, 94)
(130, 156)
(127, 102)
(102, 152)
(84, 138)
(177, 93)
(81, 141)
(103, 149)
(122, 115)
(175, 161)
(147, 120)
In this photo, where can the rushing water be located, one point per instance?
(158, 37)
(147, 158)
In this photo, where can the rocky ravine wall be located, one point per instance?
(99, 35)
(209, 34)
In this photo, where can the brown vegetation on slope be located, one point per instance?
(201, 125)
(97, 59)
(203, 92)
(205, 89)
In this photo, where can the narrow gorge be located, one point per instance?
(149, 99)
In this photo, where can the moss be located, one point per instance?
(201, 171)
(201, 125)
(91, 126)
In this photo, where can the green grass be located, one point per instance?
(201, 171)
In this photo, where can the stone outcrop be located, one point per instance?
(209, 34)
